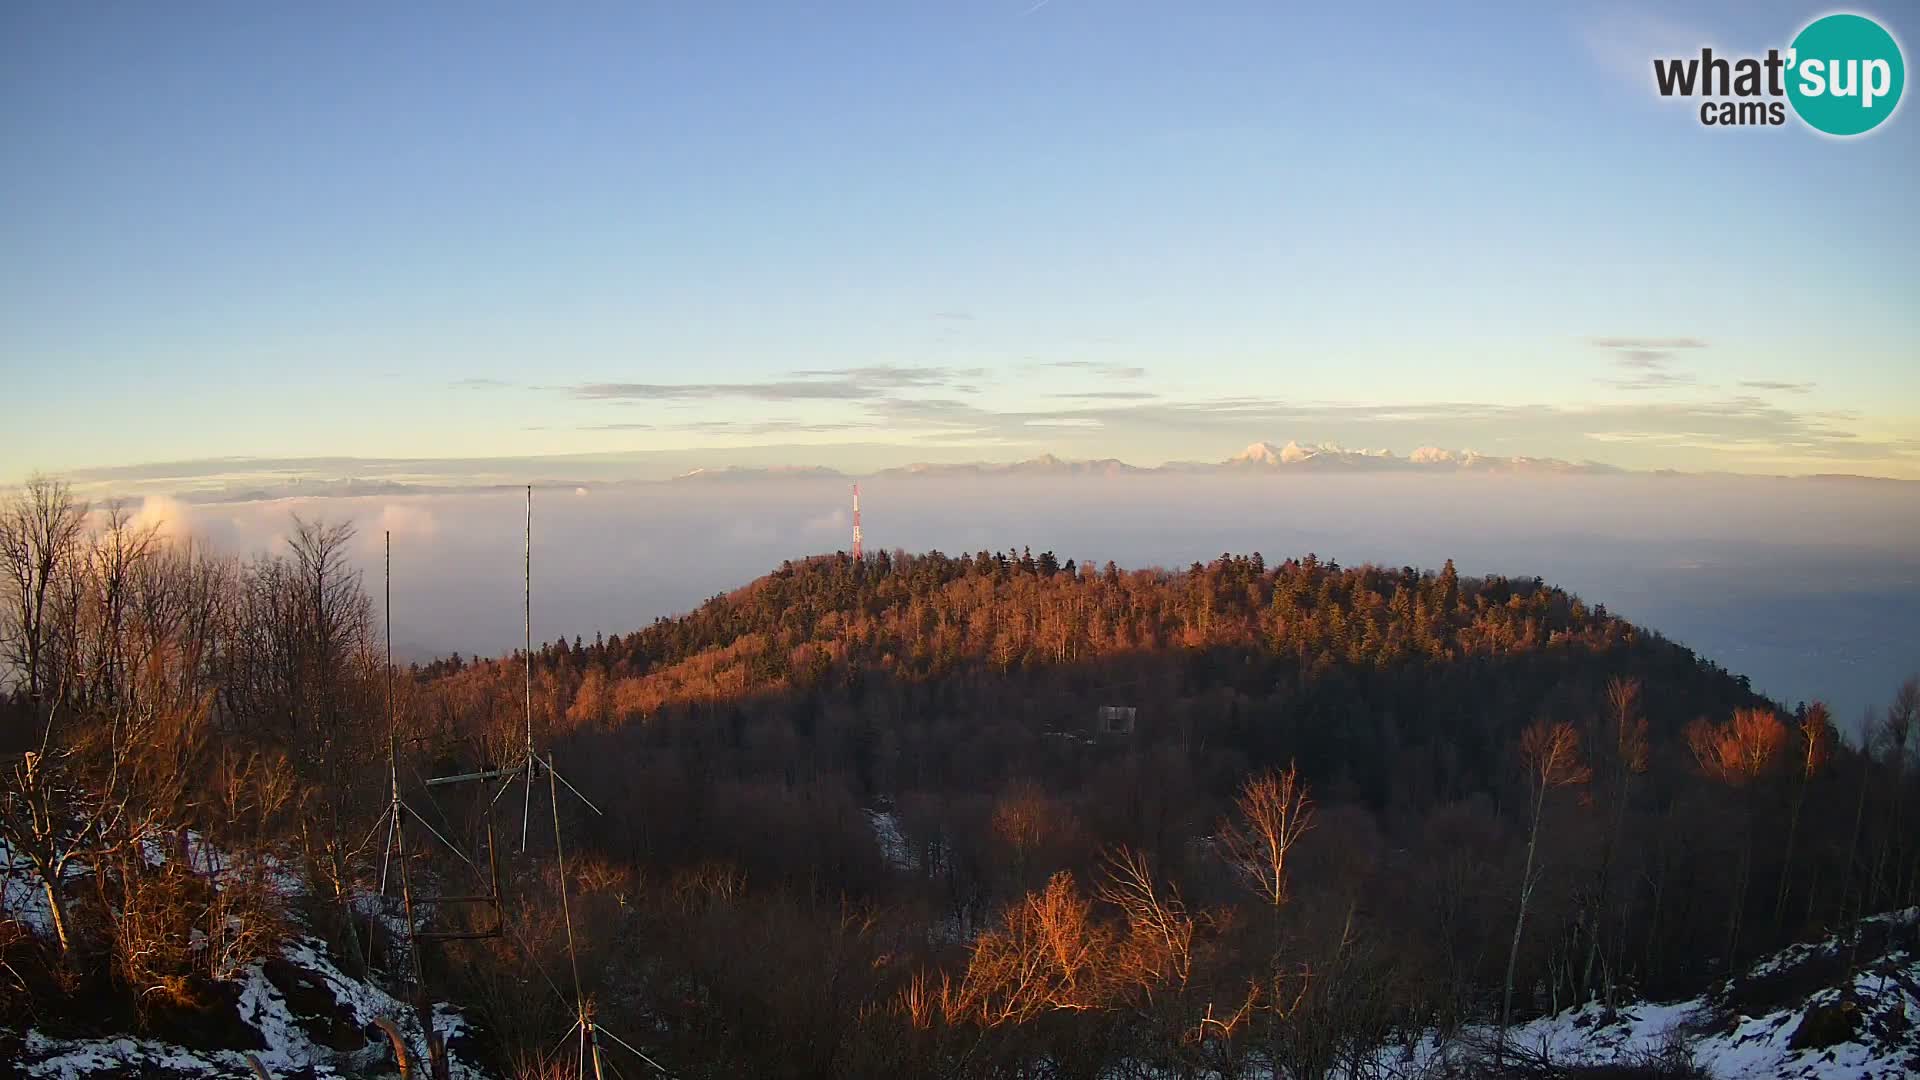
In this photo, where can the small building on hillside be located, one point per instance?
(1115, 719)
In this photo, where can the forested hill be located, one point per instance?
(1388, 677)
(1518, 801)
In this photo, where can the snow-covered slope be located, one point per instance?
(296, 1012)
(1797, 1014)
(309, 1018)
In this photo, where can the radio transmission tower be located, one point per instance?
(856, 523)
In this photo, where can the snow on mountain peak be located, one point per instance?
(1294, 453)
(1260, 453)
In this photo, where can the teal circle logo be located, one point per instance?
(1845, 74)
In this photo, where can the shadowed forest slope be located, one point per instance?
(919, 735)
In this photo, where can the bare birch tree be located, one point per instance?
(1550, 754)
(1275, 811)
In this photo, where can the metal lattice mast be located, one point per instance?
(526, 808)
(856, 523)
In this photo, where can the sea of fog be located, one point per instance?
(1809, 587)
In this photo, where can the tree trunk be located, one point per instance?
(59, 913)
(1786, 863)
(1520, 921)
(1742, 877)
(1851, 890)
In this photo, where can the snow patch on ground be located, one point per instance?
(347, 1007)
(290, 1047)
(1722, 1039)
(21, 897)
(893, 843)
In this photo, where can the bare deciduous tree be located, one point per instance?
(1625, 758)
(1738, 753)
(1159, 945)
(1049, 955)
(1276, 810)
(1550, 755)
(1815, 746)
(40, 529)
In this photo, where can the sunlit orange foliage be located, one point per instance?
(1741, 750)
(1158, 949)
(1275, 811)
(1027, 819)
(697, 887)
(593, 702)
(1020, 817)
(595, 874)
(1551, 753)
(920, 1000)
(1049, 955)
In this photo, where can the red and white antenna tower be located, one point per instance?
(856, 522)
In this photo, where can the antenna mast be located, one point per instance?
(526, 799)
(527, 601)
(856, 522)
(585, 1027)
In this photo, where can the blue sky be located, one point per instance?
(875, 233)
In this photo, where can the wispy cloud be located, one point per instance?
(1096, 367)
(773, 390)
(1095, 407)
(1661, 344)
(1648, 362)
(478, 384)
(830, 384)
(896, 377)
(768, 427)
(1654, 380)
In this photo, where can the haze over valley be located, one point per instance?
(1810, 587)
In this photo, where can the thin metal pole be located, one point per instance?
(386, 857)
(526, 802)
(406, 882)
(566, 914)
(636, 1054)
(389, 602)
(493, 871)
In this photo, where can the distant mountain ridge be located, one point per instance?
(363, 478)
(1259, 457)
(1265, 456)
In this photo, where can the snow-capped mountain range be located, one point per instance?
(1260, 457)
(1265, 455)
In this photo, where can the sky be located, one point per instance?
(868, 234)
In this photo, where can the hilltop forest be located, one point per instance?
(994, 814)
